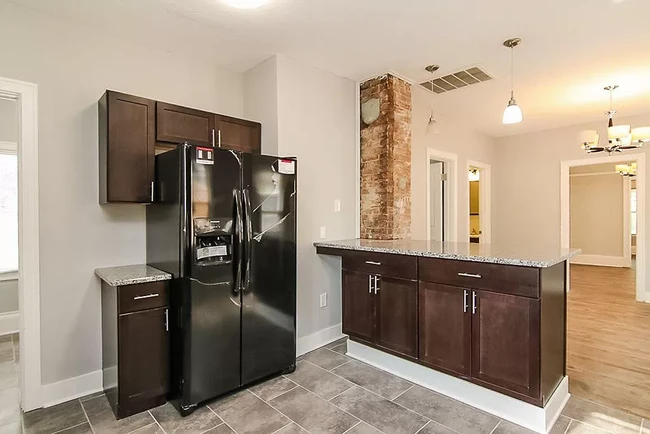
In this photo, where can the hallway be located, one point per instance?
(608, 339)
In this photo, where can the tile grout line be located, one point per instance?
(156, 420)
(425, 425)
(86, 414)
(73, 426)
(356, 424)
(271, 405)
(286, 391)
(568, 426)
(222, 419)
(402, 393)
(142, 427)
(641, 427)
(216, 426)
(496, 426)
(336, 367)
(338, 394)
(280, 429)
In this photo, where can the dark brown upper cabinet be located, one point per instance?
(238, 134)
(126, 148)
(177, 124)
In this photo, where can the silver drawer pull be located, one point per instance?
(475, 276)
(140, 297)
(373, 263)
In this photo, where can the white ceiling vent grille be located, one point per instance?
(457, 80)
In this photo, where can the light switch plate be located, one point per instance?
(323, 299)
(322, 232)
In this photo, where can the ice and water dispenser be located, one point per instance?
(213, 240)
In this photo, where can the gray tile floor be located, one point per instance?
(328, 393)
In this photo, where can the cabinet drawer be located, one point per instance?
(381, 263)
(507, 279)
(142, 296)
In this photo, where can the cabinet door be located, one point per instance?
(126, 147)
(239, 134)
(445, 327)
(397, 313)
(358, 305)
(177, 124)
(506, 342)
(143, 355)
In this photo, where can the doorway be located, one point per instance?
(479, 194)
(441, 195)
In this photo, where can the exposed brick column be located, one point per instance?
(386, 161)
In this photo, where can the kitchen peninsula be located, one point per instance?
(462, 318)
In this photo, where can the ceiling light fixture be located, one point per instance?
(512, 113)
(246, 4)
(619, 137)
(626, 169)
(432, 125)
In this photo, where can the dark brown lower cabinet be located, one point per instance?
(358, 305)
(445, 328)
(506, 342)
(396, 315)
(135, 346)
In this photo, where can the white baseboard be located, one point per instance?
(537, 419)
(602, 260)
(316, 340)
(72, 388)
(9, 323)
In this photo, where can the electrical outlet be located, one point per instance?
(322, 232)
(323, 299)
(337, 205)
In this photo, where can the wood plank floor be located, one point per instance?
(608, 339)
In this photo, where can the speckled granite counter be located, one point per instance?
(131, 275)
(523, 255)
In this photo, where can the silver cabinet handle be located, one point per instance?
(373, 263)
(152, 184)
(465, 304)
(166, 320)
(473, 302)
(370, 284)
(212, 137)
(475, 276)
(140, 297)
(219, 137)
(376, 284)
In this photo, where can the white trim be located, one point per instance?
(318, 339)
(565, 208)
(28, 229)
(8, 275)
(10, 147)
(72, 388)
(627, 216)
(519, 412)
(602, 260)
(9, 323)
(578, 175)
(451, 192)
(357, 156)
(485, 201)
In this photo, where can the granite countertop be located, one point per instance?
(131, 275)
(508, 254)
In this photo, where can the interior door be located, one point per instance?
(505, 341)
(269, 277)
(445, 327)
(436, 201)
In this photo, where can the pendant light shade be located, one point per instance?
(512, 113)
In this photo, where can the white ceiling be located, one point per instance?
(570, 49)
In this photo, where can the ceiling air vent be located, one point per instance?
(457, 80)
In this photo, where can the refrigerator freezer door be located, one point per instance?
(212, 300)
(269, 278)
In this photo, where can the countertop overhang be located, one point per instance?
(521, 255)
(131, 275)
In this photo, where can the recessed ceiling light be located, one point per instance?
(246, 4)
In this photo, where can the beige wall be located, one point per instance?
(72, 66)
(597, 214)
(261, 101)
(455, 137)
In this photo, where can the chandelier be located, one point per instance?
(626, 169)
(619, 137)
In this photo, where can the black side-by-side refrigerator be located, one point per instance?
(223, 223)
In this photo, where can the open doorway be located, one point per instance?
(441, 192)
(479, 203)
(603, 215)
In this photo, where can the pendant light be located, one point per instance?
(512, 113)
(432, 125)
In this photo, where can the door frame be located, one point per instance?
(565, 209)
(485, 201)
(26, 94)
(450, 193)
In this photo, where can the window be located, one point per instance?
(8, 208)
(633, 211)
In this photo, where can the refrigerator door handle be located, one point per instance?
(249, 236)
(240, 242)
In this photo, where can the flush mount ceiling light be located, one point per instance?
(619, 137)
(246, 4)
(626, 169)
(432, 125)
(512, 113)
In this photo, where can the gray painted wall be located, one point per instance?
(8, 296)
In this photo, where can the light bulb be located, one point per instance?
(512, 113)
